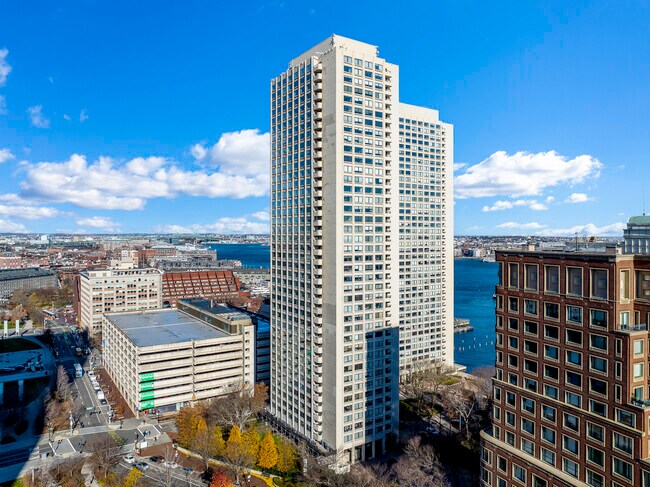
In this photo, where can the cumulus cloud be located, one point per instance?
(5, 155)
(222, 225)
(112, 185)
(38, 119)
(507, 205)
(615, 229)
(262, 216)
(459, 165)
(523, 174)
(522, 226)
(5, 69)
(577, 198)
(83, 115)
(242, 152)
(28, 212)
(3, 105)
(99, 222)
(7, 226)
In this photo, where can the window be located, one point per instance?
(551, 372)
(552, 279)
(537, 482)
(548, 413)
(513, 343)
(638, 347)
(574, 314)
(574, 379)
(599, 283)
(530, 347)
(510, 418)
(531, 277)
(510, 398)
(572, 422)
(518, 473)
(598, 364)
(643, 284)
(625, 284)
(502, 464)
(551, 391)
(527, 446)
(622, 443)
(638, 371)
(570, 467)
(574, 337)
(574, 281)
(595, 456)
(548, 456)
(513, 324)
(596, 432)
(573, 399)
(551, 352)
(646, 478)
(552, 332)
(530, 384)
(513, 305)
(513, 275)
(574, 358)
(548, 435)
(626, 418)
(528, 405)
(598, 317)
(598, 342)
(530, 307)
(530, 328)
(598, 386)
(595, 479)
(597, 407)
(527, 426)
(622, 468)
(552, 311)
(570, 445)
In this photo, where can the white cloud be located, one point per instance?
(67, 117)
(222, 225)
(109, 184)
(3, 105)
(507, 205)
(577, 198)
(5, 155)
(28, 212)
(83, 115)
(5, 69)
(7, 226)
(242, 152)
(262, 216)
(37, 118)
(523, 226)
(615, 229)
(101, 222)
(458, 166)
(523, 174)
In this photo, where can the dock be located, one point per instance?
(461, 325)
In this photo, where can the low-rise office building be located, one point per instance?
(162, 360)
(34, 277)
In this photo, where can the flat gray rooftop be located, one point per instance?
(161, 327)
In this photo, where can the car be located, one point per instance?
(156, 459)
(170, 464)
(188, 470)
(129, 458)
(142, 466)
(103, 402)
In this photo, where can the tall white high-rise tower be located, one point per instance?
(335, 245)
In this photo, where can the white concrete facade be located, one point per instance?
(426, 286)
(115, 290)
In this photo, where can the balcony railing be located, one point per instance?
(637, 327)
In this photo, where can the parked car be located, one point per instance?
(156, 459)
(142, 466)
(170, 464)
(129, 458)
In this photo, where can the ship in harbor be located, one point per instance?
(461, 325)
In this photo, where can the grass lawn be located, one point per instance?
(9, 345)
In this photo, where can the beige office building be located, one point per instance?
(114, 290)
(335, 256)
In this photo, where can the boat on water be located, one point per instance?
(462, 325)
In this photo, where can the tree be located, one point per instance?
(68, 473)
(426, 378)
(419, 466)
(104, 454)
(220, 478)
(237, 456)
(251, 439)
(133, 478)
(482, 380)
(268, 455)
(167, 474)
(206, 443)
(287, 456)
(62, 384)
(461, 404)
(18, 313)
(238, 405)
(187, 423)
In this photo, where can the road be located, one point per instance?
(158, 473)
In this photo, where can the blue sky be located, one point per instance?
(154, 116)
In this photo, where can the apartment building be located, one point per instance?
(221, 286)
(29, 278)
(571, 396)
(162, 360)
(335, 245)
(114, 290)
(426, 247)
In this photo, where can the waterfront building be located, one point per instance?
(102, 291)
(335, 245)
(571, 398)
(637, 235)
(29, 278)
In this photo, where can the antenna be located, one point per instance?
(644, 202)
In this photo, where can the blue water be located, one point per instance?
(251, 255)
(473, 290)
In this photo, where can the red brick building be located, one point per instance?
(571, 396)
(222, 286)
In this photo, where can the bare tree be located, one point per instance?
(419, 466)
(104, 454)
(62, 384)
(461, 404)
(170, 455)
(238, 405)
(425, 380)
(68, 473)
(482, 380)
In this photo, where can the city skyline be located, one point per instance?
(137, 132)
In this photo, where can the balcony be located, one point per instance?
(633, 328)
(642, 403)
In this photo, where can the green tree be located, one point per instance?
(268, 455)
